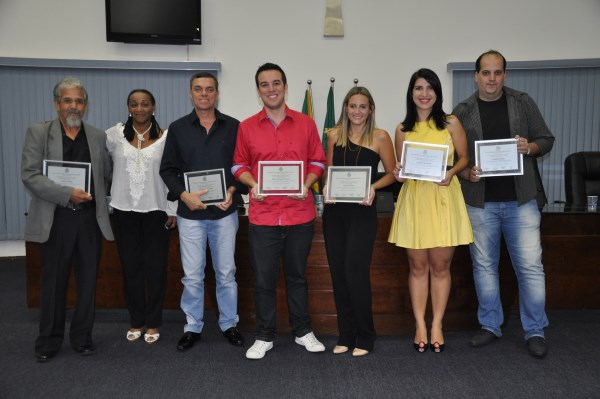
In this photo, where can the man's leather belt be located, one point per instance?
(79, 207)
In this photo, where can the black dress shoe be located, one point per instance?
(44, 356)
(187, 341)
(537, 347)
(482, 338)
(86, 349)
(234, 336)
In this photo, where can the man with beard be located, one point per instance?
(67, 222)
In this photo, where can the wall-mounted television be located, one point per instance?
(153, 21)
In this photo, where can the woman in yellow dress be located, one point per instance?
(430, 218)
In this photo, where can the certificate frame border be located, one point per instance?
(83, 165)
(300, 190)
(513, 172)
(417, 176)
(330, 170)
(221, 171)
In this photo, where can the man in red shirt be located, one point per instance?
(280, 226)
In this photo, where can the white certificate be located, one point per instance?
(280, 177)
(212, 180)
(69, 174)
(498, 158)
(422, 161)
(348, 183)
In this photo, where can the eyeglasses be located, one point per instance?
(69, 101)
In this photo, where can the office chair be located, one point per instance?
(582, 177)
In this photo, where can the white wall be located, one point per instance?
(385, 41)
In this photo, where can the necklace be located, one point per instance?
(140, 138)
(358, 148)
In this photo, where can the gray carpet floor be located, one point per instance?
(215, 369)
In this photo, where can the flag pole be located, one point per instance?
(355, 82)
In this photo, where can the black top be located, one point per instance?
(495, 126)
(77, 150)
(190, 148)
(356, 155)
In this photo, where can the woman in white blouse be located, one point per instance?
(142, 214)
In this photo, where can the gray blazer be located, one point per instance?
(44, 141)
(526, 121)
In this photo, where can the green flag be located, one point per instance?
(307, 109)
(329, 123)
(329, 118)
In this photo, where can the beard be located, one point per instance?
(74, 119)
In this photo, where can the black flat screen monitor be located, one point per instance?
(153, 21)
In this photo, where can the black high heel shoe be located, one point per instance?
(421, 347)
(436, 347)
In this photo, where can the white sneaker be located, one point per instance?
(258, 349)
(311, 343)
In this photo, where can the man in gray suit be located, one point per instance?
(67, 222)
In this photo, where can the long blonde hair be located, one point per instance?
(343, 123)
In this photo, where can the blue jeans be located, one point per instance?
(520, 226)
(220, 234)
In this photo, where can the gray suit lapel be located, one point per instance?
(54, 147)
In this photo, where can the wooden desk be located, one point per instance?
(571, 253)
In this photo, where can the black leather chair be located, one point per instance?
(582, 177)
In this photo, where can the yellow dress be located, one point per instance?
(428, 215)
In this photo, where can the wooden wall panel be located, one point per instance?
(571, 253)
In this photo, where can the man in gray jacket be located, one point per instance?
(68, 222)
(505, 205)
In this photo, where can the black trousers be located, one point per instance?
(268, 245)
(349, 231)
(143, 245)
(75, 238)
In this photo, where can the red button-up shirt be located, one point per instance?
(295, 139)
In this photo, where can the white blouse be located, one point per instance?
(136, 184)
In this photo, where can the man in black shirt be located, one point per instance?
(505, 205)
(204, 140)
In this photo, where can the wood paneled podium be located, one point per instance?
(571, 256)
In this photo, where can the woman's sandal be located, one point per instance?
(436, 347)
(134, 335)
(421, 347)
(151, 338)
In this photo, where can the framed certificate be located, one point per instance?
(498, 158)
(213, 180)
(69, 174)
(348, 183)
(422, 161)
(280, 177)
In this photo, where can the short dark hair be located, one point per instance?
(207, 75)
(490, 52)
(269, 66)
